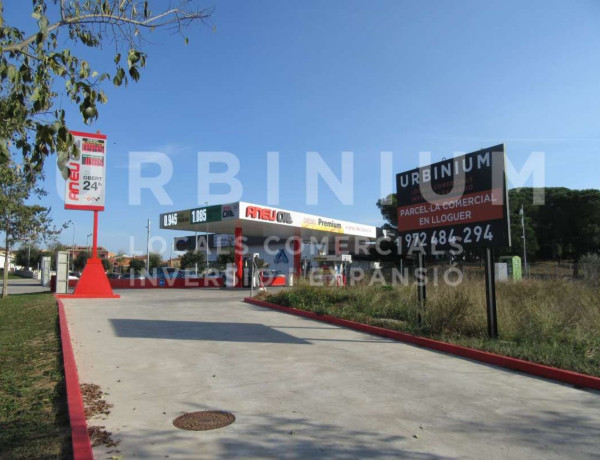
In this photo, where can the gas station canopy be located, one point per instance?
(251, 220)
(258, 220)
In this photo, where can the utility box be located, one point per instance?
(46, 271)
(501, 271)
(62, 272)
(513, 263)
(230, 275)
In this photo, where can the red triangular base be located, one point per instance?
(93, 282)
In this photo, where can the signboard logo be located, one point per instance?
(271, 215)
(281, 257)
(228, 212)
(74, 168)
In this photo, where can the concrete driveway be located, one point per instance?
(25, 286)
(304, 389)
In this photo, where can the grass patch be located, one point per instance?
(34, 420)
(555, 322)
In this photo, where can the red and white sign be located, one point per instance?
(467, 209)
(87, 174)
(249, 211)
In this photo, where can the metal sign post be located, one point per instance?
(490, 294)
(522, 212)
(95, 237)
(421, 285)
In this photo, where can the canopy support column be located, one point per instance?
(297, 256)
(238, 257)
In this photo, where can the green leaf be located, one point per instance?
(118, 79)
(4, 152)
(89, 114)
(36, 95)
(102, 97)
(134, 73)
(133, 57)
(13, 74)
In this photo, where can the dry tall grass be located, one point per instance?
(551, 322)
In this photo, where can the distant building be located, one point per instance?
(103, 253)
(120, 264)
(174, 263)
(11, 260)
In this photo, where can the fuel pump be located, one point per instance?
(333, 269)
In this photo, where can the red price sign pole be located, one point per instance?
(85, 187)
(95, 237)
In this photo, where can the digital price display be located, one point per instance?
(206, 214)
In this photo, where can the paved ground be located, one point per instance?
(25, 286)
(304, 389)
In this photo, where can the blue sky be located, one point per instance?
(361, 76)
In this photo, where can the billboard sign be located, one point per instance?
(459, 201)
(86, 182)
(301, 220)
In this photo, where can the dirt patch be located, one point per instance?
(100, 437)
(93, 403)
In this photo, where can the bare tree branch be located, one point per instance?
(178, 16)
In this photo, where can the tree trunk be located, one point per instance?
(6, 265)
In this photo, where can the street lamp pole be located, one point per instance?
(73, 250)
(196, 251)
(206, 204)
(148, 248)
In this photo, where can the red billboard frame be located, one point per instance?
(86, 207)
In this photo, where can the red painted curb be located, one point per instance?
(539, 370)
(82, 447)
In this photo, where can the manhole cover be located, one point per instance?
(204, 420)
